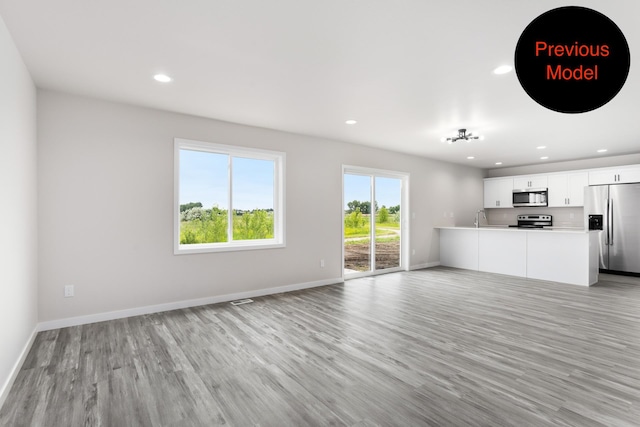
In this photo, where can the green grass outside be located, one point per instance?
(363, 231)
(213, 229)
(395, 238)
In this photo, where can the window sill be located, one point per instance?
(212, 247)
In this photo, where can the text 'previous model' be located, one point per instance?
(581, 72)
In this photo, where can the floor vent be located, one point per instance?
(242, 301)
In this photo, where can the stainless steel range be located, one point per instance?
(534, 221)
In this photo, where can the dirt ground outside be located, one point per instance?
(357, 256)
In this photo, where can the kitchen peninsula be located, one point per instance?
(559, 255)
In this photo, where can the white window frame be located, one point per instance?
(277, 157)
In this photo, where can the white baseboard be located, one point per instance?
(111, 315)
(6, 387)
(425, 265)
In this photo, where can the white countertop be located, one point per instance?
(520, 230)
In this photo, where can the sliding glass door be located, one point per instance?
(357, 223)
(373, 218)
(387, 242)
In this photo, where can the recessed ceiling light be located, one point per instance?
(602, 150)
(470, 158)
(498, 163)
(541, 147)
(544, 157)
(503, 69)
(351, 122)
(162, 78)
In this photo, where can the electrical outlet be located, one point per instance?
(321, 263)
(413, 251)
(68, 291)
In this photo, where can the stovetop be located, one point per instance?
(533, 221)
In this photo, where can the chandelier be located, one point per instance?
(462, 134)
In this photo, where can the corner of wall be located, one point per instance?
(18, 213)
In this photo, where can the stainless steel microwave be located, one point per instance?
(530, 197)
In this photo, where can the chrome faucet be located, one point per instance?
(477, 221)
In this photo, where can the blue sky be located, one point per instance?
(358, 187)
(204, 179)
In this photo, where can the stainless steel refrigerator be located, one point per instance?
(615, 209)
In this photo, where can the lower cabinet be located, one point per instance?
(502, 252)
(562, 257)
(459, 248)
(553, 255)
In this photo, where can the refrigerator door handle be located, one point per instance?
(611, 221)
(606, 226)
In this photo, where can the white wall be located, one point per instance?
(106, 195)
(18, 225)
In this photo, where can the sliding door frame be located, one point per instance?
(404, 218)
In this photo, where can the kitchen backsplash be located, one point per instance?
(562, 217)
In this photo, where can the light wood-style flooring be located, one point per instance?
(439, 347)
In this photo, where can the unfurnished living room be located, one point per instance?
(305, 213)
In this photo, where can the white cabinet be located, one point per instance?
(498, 193)
(558, 193)
(575, 188)
(563, 257)
(502, 252)
(459, 248)
(554, 255)
(619, 175)
(534, 181)
(567, 189)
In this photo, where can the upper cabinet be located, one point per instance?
(498, 193)
(533, 181)
(567, 189)
(618, 175)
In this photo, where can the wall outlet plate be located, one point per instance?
(68, 291)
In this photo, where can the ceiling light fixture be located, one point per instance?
(162, 78)
(462, 134)
(602, 150)
(503, 69)
(351, 122)
(544, 157)
(498, 163)
(470, 158)
(541, 147)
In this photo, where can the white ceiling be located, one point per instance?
(410, 71)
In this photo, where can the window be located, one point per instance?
(227, 198)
